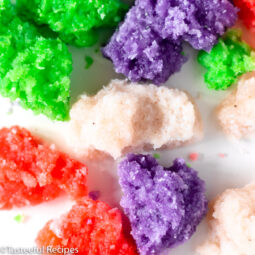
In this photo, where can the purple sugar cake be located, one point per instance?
(164, 205)
(148, 44)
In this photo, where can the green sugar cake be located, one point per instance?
(76, 21)
(229, 59)
(33, 69)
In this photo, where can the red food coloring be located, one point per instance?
(246, 12)
(31, 172)
(93, 227)
(193, 156)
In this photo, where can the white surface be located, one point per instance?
(235, 170)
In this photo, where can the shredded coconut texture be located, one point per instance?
(75, 21)
(32, 172)
(92, 227)
(229, 59)
(125, 117)
(232, 224)
(33, 68)
(236, 114)
(164, 205)
(148, 45)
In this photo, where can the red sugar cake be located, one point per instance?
(89, 228)
(32, 172)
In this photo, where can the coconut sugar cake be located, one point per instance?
(236, 114)
(127, 117)
(232, 224)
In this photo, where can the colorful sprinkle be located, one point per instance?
(89, 62)
(20, 218)
(193, 156)
(156, 156)
(222, 155)
(94, 195)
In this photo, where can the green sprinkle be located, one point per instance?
(188, 165)
(89, 62)
(156, 155)
(19, 218)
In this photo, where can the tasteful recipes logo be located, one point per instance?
(36, 250)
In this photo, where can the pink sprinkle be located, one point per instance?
(26, 218)
(222, 155)
(193, 156)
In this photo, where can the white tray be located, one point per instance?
(234, 170)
